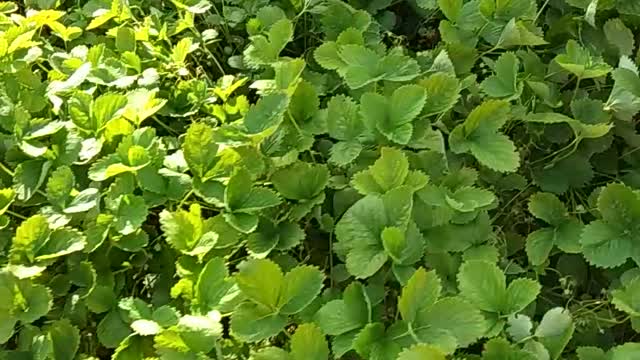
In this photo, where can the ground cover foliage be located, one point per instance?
(319, 179)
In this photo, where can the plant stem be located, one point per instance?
(575, 91)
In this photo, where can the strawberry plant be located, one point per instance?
(319, 179)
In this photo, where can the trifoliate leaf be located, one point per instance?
(388, 172)
(308, 343)
(504, 83)
(581, 63)
(479, 135)
(520, 33)
(363, 66)
(610, 241)
(265, 50)
(340, 16)
(187, 232)
(469, 198)
(393, 117)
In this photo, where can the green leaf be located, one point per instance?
(479, 135)
(241, 196)
(344, 120)
(267, 113)
(590, 15)
(131, 213)
(520, 293)
(484, 285)
(105, 108)
(308, 343)
(443, 92)
(62, 241)
(422, 352)
(200, 333)
(620, 36)
(300, 180)
(126, 39)
(261, 280)
(539, 245)
(421, 292)
(519, 327)
(450, 8)
(145, 327)
(341, 316)
(555, 331)
(301, 286)
(31, 236)
(59, 186)
(388, 172)
(65, 339)
(199, 149)
(253, 322)
(7, 196)
(504, 83)
(29, 176)
(112, 330)
(450, 319)
(344, 153)
(212, 284)
(547, 207)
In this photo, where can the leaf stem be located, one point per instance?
(575, 91)
(4, 168)
(14, 214)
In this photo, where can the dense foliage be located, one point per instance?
(319, 179)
